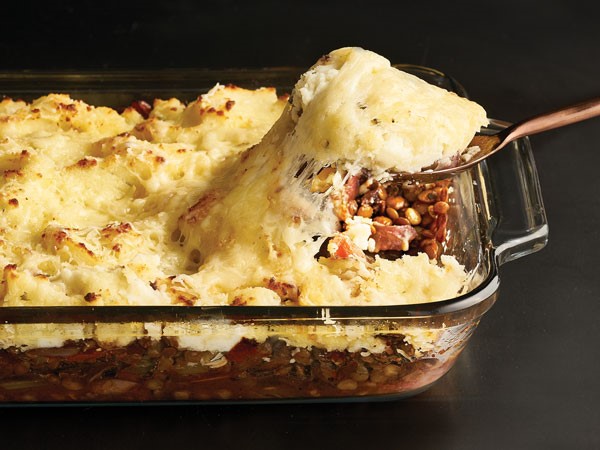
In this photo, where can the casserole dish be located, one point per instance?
(296, 353)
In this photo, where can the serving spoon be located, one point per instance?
(490, 144)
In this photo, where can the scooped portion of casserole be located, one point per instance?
(321, 182)
(240, 197)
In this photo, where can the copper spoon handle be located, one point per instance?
(548, 121)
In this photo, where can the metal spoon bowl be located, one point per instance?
(490, 144)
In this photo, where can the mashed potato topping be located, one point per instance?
(210, 203)
(371, 114)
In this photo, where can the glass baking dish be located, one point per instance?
(165, 354)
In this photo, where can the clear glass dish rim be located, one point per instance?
(27, 81)
(171, 313)
(26, 76)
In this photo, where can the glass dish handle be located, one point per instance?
(519, 220)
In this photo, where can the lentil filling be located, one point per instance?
(407, 217)
(158, 370)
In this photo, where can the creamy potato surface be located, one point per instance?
(90, 198)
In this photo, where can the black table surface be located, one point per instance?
(530, 376)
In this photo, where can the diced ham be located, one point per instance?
(344, 203)
(393, 237)
(287, 292)
(342, 247)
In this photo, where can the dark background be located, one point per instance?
(530, 377)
